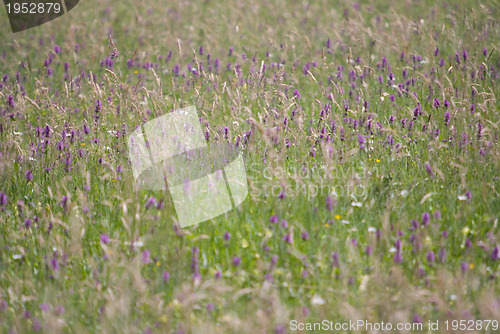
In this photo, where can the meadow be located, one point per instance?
(371, 138)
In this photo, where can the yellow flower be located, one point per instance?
(158, 263)
(83, 144)
(471, 266)
(326, 225)
(370, 159)
(378, 160)
(338, 216)
(136, 71)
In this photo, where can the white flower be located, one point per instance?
(404, 193)
(357, 204)
(346, 222)
(462, 197)
(372, 229)
(317, 300)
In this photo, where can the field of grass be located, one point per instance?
(371, 137)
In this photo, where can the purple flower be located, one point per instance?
(284, 223)
(166, 276)
(437, 214)
(236, 261)
(305, 235)
(361, 141)
(44, 307)
(495, 254)
(426, 218)
(57, 49)
(218, 274)
(210, 307)
(104, 238)
(330, 203)
(150, 202)
(28, 223)
(429, 170)
(464, 266)
(431, 257)
(468, 195)
(29, 176)
(287, 238)
(368, 250)
(227, 236)
(437, 103)
(296, 94)
(3, 198)
(273, 219)
(282, 195)
(442, 255)
(146, 257)
(398, 258)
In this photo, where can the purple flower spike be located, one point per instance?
(146, 258)
(431, 257)
(437, 103)
(273, 219)
(227, 236)
(166, 276)
(296, 94)
(29, 176)
(104, 238)
(426, 218)
(495, 254)
(236, 261)
(429, 170)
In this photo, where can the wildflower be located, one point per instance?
(429, 170)
(437, 103)
(282, 195)
(426, 219)
(210, 307)
(284, 223)
(495, 254)
(57, 49)
(236, 261)
(29, 176)
(166, 276)
(218, 274)
(150, 202)
(287, 238)
(361, 141)
(3, 198)
(296, 94)
(28, 223)
(146, 257)
(442, 255)
(273, 219)
(104, 238)
(431, 257)
(305, 235)
(464, 266)
(227, 236)
(398, 258)
(330, 203)
(44, 307)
